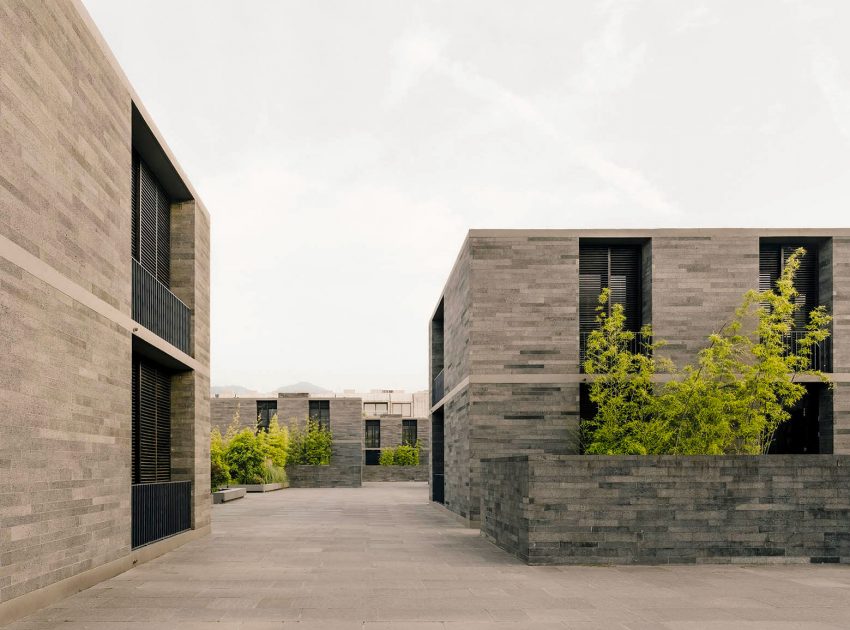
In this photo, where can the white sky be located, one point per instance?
(344, 148)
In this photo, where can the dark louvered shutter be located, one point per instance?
(151, 223)
(151, 423)
(147, 220)
(772, 259)
(134, 440)
(163, 237)
(769, 266)
(134, 197)
(163, 426)
(624, 282)
(805, 281)
(616, 268)
(593, 277)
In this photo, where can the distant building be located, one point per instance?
(388, 418)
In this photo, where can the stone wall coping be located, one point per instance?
(779, 459)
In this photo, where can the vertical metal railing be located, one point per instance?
(438, 389)
(820, 354)
(156, 308)
(160, 510)
(637, 345)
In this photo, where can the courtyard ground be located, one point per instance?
(381, 556)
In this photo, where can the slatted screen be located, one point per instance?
(772, 259)
(617, 267)
(151, 433)
(134, 200)
(151, 219)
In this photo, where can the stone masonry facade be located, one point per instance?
(66, 332)
(346, 423)
(668, 510)
(292, 409)
(505, 333)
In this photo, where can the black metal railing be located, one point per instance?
(159, 510)
(156, 308)
(638, 345)
(438, 389)
(820, 354)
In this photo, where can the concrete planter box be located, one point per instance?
(228, 494)
(558, 509)
(395, 473)
(261, 487)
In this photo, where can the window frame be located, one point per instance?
(323, 415)
(374, 412)
(403, 405)
(405, 427)
(372, 438)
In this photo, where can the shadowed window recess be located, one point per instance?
(320, 412)
(266, 410)
(373, 442)
(408, 432)
(773, 257)
(613, 266)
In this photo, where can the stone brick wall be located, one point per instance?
(65, 138)
(697, 282)
(517, 419)
(347, 428)
(337, 475)
(65, 369)
(524, 304)
(66, 336)
(551, 509)
(395, 473)
(223, 409)
(457, 454)
(64, 435)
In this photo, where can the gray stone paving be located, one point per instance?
(382, 557)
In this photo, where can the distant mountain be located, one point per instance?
(301, 388)
(230, 390)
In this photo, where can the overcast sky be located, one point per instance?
(344, 148)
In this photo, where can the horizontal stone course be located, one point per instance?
(396, 473)
(550, 509)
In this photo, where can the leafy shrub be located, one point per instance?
(246, 456)
(219, 469)
(403, 455)
(406, 455)
(273, 473)
(275, 441)
(731, 402)
(311, 445)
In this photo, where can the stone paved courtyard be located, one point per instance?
(382, 557)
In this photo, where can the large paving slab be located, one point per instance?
(381, 556)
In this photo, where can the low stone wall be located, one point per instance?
(330, 476)
(572, 509)
(395, 473)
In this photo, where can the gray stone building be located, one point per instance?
(341, 414)
(104, 318)
(507, 333)
(384, 419)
